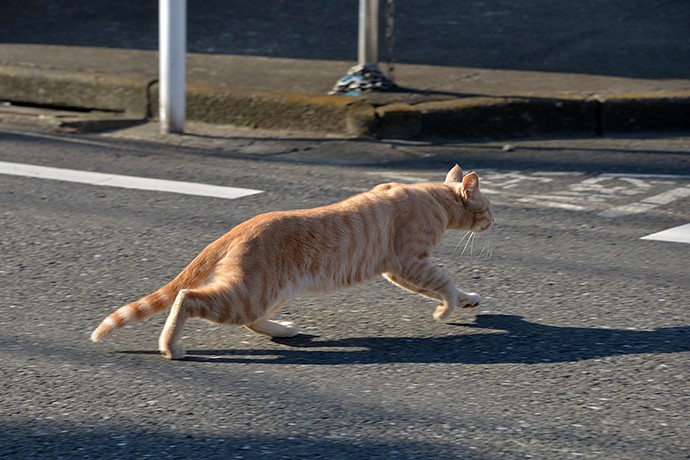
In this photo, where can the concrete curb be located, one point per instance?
(479, 117)
(645, 112)
(135, 98)
(75, 89)
(264, 109)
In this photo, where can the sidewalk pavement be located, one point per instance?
(111, 87)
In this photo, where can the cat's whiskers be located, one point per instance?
(487, 245)
(466, 235)
(470, 243)
(481, 253)
(469, 238)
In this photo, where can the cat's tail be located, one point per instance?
(192, 276)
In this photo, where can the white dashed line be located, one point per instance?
(129, 182)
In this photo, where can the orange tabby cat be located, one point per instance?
(245, 276)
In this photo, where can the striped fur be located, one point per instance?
(245, 276)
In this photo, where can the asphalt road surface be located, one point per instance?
(581, 348)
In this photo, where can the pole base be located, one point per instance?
(362, 77)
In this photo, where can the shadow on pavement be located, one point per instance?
(493, 339)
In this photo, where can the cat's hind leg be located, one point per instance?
(215, 302)
(168, 342)
(273, 328)
(280, 329)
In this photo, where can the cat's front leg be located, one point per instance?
(422, 276)
(465, 300)
(469, 300)
(409, 286)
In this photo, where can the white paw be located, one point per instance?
(473, 300)
(173, 352)
(290, 329)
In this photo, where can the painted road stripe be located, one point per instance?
(130, 182)
(543, 201)
(648, 176)
(675, 235)
(648, 203)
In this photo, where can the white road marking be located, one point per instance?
(648, 203)
(540, 200)
(603, 193)
(679, 234)
(512, 179)
(649, 176)
(400, 176)
(557, 173)
(129, 182)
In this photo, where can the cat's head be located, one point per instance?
(474, 210)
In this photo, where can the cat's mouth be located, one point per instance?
(486, 226)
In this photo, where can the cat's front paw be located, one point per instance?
(173, 352)
(471, 301)
(442, 312)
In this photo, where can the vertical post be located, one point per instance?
(172, 21)
(366, 75)
(368, 50)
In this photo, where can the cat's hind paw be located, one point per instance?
(276, 329)
(290, 329)
(173, 352)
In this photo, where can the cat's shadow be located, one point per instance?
(491, 339)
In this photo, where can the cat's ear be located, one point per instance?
(454, 175)
(470, 186)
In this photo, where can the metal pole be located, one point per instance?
(173, 46)
(368, 50)
(366, 75)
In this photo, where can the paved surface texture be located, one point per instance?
(468, 69)
(579, 350)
